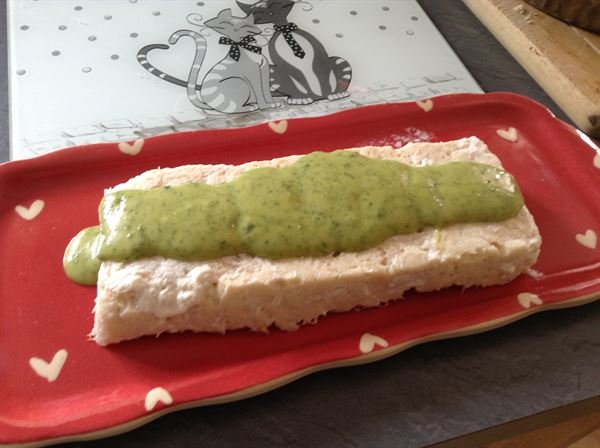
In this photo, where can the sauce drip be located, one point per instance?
(322, 204)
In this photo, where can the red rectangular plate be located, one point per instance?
(56, 385)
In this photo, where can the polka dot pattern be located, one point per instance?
(289, 38)
(245, 42)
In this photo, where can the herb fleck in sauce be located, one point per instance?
(324, 203)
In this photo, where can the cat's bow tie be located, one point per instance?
(234, 51)
(288, 28)
(289, 38)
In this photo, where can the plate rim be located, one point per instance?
(63, 154)
(276, 383)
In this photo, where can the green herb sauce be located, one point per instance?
(322, 204)
(81, 262)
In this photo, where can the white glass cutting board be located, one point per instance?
(77, 75)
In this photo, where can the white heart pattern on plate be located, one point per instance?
(49, 370)
(526, 299)
(588, 239)
(426, 105)
(30, 213)
(279, 127)
(368, 342)
(509, 134)
(156, 395)
(131, 149)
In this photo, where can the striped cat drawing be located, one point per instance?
(302, 70)
(240, 82)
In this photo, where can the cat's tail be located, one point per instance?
(343, 72)
(274, 82)
(196, 65)
(142, 58)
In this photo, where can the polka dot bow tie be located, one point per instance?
(287, 35)
(234, 51)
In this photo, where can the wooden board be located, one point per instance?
(564, 60)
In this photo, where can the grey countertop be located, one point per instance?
(427, 394)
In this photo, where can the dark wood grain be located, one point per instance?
(556, 428)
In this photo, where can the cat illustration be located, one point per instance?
(240, 82)
(302, 70)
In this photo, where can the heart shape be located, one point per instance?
(174, 59)
(597, 161)
(509, 134)
(526, 299)
(131, 149)
(158, 394)
(279, 127)
(49, 370)
(368, 342)
(588, 239)
(31, 212)
(426, 105)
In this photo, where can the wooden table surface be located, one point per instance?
(563, 59)
(537, 372)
